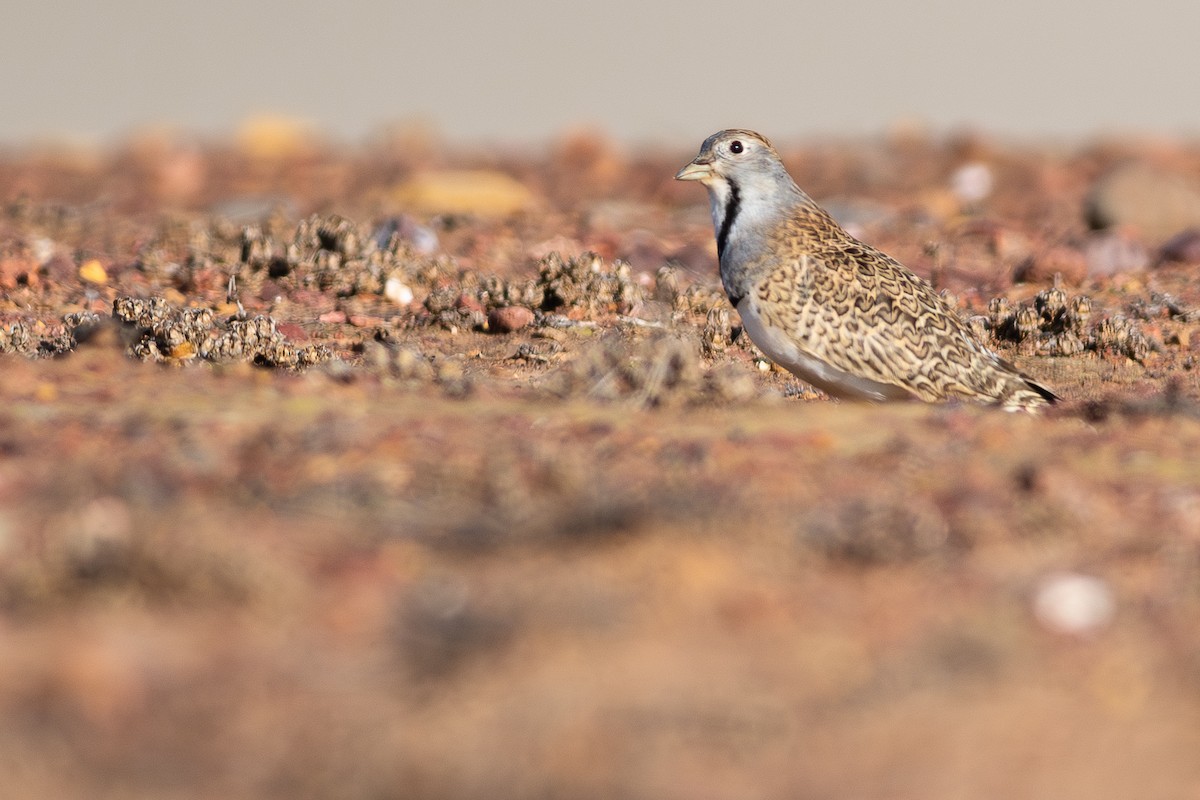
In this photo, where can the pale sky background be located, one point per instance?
(526, 70)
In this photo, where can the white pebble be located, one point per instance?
(972, 182)
(1067, 602)
(43, 249)
(397, 291)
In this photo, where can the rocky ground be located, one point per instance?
(398, 470)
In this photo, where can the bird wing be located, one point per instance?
(862, 312)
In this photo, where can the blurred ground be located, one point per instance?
(433, 504)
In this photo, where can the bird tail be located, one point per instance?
(1047, 395)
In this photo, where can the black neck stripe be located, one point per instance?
(732, 206)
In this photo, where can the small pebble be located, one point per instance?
(93, 271)
(43, 249)
(972, 182)
(397, 291)
(293, 330)
(509, 319)
(1070, 603)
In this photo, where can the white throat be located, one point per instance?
(745, 205)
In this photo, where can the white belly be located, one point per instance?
(781, 349)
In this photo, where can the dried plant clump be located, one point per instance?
(700, 298)
(581, 287)
(1057, 325)
(162, 332)
(332, 254)
(584, 283)
(18, 339)
(466, 303)
(666, 285)
(1119, 334)
(323, 253)
(34, 340)
(718, 331)
(495, 292)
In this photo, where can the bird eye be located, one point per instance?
(736, 147)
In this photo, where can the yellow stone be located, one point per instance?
(93, 271)
(464, 192)
(275, 136)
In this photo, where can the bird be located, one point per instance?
(837, 313)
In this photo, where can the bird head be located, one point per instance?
(734, 155)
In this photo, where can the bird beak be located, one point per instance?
(696, 171)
